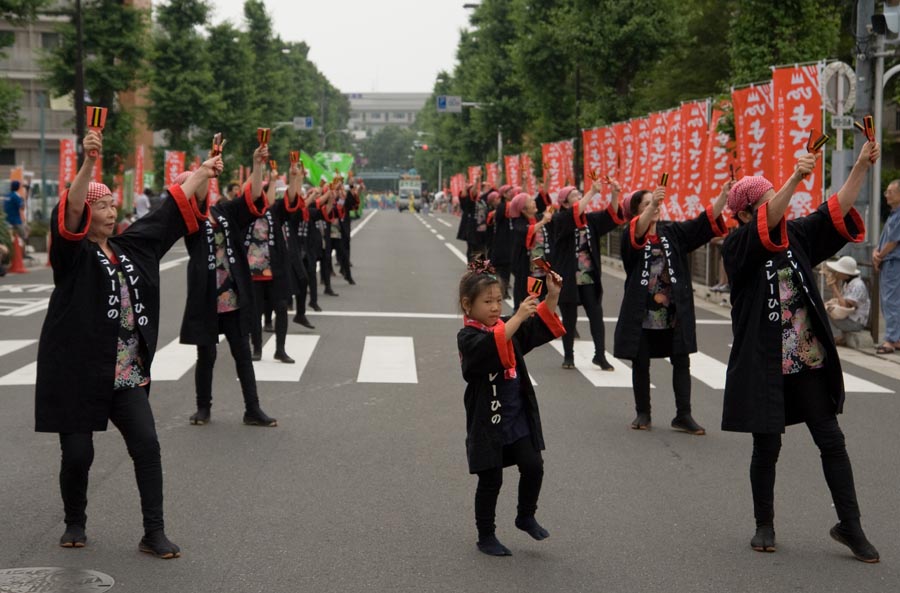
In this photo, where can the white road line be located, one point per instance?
(854, 384)
(9, 346)
(388, 360)
(584, 352)
(440, 237)
(457, 252)
(298, 347)
(433, 230)
(34, 308)
(26, 375)
(708, 370)
(446, 224)
(20, 288)
(363, 223)
(173, 361)
(384, 314)
(171, 264)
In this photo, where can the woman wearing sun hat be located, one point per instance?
(784, 367)
(848, 310)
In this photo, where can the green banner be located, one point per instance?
(315, 173)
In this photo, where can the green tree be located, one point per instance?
(115, 48)
(391, 148)
(181, 89)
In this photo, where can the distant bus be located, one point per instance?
(410, 184)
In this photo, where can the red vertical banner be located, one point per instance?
(753, 121)
(492, 174)
(139, 169)
(593, 154)
(658, 158)
(513, 175)
(798, 110)
(552, 168)
(719, 156)
(68, 162)
(118, 191)
(567, 153)
(195, 164)
(174, 165)
(626, 137)
(694, 139)
(214, 193)
(97, 172)
(475, 176)
(641, 173)
(526, 171)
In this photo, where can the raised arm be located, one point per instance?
(646, 218)
(93, 144)
(779, 204)
(260, 157)
(722, 200)
(871, 152)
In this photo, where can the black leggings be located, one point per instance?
(130, 412)
(262, 292)
(640, 372)
(531, 474)
(591, 297)
(308, 285)
(230, 325)
(828, 437)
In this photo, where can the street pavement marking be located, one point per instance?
(298, 347)
(708, 370)
(9, 346)
(22, 306)
(171, 264)
(584, 352)
(440, 237)
(363, 223)
(26, 375)
(173, 361)
(457, 252)
(854, 384)
(433, 230)
(446, 224)
(388, 359)
(20, 288)
(386, 314)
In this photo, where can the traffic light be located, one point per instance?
(888, 22)
(424, 147)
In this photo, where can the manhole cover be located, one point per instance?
(53, 580)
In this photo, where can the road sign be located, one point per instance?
(303, 123)
(842, 122)
(449, 104)
(838, 88)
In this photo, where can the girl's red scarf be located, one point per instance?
(504, 347)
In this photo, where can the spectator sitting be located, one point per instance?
(848, 309)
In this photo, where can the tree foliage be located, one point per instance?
(19, 13)
(546, 69)
(390, 148)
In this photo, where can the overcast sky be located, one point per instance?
(368, 45)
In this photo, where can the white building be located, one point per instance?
(370, 112)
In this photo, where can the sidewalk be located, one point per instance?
(719, 303)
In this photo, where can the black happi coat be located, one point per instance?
(200, 324)
(467, 218)
(521, 238)
(351, 203)
(562, 233)
(310, 239)
(284, 253)
(77, 352)
(501, 243)
(678, 239)
(484, 354)
(754, 387)
(543, 201)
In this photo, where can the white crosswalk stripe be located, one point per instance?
(391, 359)
(388, 360)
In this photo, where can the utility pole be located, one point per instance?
(79, 82)
(865, 92)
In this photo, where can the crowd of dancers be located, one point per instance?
(783, 368)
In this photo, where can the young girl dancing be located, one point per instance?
(503, 425)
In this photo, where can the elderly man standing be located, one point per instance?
(886, 259)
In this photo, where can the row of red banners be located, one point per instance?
(772, 124)
(174, 165)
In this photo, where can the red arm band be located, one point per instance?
(632, 228)
(551, 320)
(617, 215)
(287, 203)
(184, 206)
(61, 220)
(717, 224)
(529, 237)
(196, 209)
(580, 219)
(248, 199)
(762, 227)
(834, 209)
(490, 217)
(504, 346)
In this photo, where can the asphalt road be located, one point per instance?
(364, 485)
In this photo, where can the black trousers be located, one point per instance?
(654, 344)
(503, 272)
(325, 265)
(230, 326)
(531, 476)
(344, 253)
(828, 437)
(309, 260)
(591, 297)
(130, 412)
(262, 292)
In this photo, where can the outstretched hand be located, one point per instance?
(527, 308)
(213, 167)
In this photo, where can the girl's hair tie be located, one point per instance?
(482, 266)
